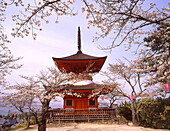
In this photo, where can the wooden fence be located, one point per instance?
(82, 114)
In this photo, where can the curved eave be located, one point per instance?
(81, 87)
(64, 59)
(94, 88)
(79, 56)
(80, 65)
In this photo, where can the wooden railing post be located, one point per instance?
(102, 116)
(51, 116)
(59, 119)
(73, 115)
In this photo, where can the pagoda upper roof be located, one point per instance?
(79, 56)
(80, 62)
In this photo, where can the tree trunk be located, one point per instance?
(36, 117)
(28, 121)
(134, 121)
(137, 114)
(42, 122)
(27, 116)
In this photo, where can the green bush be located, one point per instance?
(166, 117)
(125, 110)
(151, 112)
(24, 124)
(154, 112)
(18, 125)
(6, 128)
(32, 122)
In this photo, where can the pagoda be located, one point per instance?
(83, 65)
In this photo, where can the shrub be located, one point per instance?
(125, 111)
(18, 125)
(24, 124)
(154, 112)
(32, 122)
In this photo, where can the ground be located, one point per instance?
(92, 127)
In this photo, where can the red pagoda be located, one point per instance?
(82, 65)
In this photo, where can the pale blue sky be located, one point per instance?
(59, 40)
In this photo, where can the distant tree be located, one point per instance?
(23, 99)
(112, 97)
(133, 81)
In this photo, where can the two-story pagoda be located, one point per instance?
(82, 65)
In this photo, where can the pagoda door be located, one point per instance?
(81, 105)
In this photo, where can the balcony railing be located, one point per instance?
(81, 114)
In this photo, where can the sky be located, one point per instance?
(57, 40)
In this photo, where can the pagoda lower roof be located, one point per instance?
(91, 86)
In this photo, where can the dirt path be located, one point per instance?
(96, 127)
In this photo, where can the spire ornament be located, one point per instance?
(79, 40)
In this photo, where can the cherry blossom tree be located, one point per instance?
(125, 20)
(133, 83)
(128, 22)
(28, 21)
(155, 57)
(7, 60)
(33, 13)
(44, 86)
(47, 83)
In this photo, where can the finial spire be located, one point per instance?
(79, 40)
